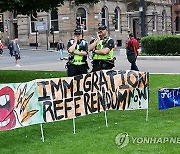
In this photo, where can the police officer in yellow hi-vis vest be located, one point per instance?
(77, 49)
(102, 50)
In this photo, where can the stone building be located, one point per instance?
(176, 17)
(121, 17)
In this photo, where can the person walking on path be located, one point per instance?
(102, 50)
(132, 51)
(16, 50)
(10, 47)
(1, 47)
(60, 48)
(77, 49)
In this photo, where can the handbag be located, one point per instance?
(130, 55)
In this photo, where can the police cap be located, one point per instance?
(77, 32)
(102, 27)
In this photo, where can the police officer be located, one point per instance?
(102, 50)
(77, 49)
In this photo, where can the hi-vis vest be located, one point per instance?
(77, 59)
(99, 46)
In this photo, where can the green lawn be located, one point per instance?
(92, 135)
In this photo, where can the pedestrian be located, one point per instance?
(1, 47)
(60, 48)
(132, 51)
(102, 50)
(16, 50)
(77, 60)
(10, 47)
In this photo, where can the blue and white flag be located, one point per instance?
(168, 98)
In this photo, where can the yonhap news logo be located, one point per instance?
(123, 139)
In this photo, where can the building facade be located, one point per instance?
(121, 17)
(176, 17)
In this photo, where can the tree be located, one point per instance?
(29, 6)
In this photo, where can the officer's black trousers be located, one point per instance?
(101, 65)
(134, 66)
(74, 70)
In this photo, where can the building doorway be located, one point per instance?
(177, 25)
(136, 28)
(15, 30)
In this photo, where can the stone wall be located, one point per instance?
(129, 21)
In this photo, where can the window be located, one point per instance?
(154, 20)
(1, 23)
(33, 22)
(81, 12)
(104, 16)
(116, 19)
(14, 15)
(176, 1)
(128, 21)
(54, 20)
(164, 20)
(177, 22)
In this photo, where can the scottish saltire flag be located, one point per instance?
(168, 98)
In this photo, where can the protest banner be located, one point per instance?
(47, 100)
(168, 98)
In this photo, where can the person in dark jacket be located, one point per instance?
(60, 48)
(10, 47)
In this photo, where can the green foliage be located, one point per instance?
(29, 6)
(163, 45)
(92, 136)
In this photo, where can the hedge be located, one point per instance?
(163, 45)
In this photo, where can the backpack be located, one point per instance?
(130, 55)
(10, 46)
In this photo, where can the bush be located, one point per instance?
(163, 45)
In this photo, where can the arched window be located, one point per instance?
(117, 19)
(82, 14)
(164, 20)
(33, 22)
(104, 16)
(54, 20)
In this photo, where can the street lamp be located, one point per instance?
(142, 11)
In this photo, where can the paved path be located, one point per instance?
(44, 60)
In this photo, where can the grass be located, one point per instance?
(92, 136)
(24, 76)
